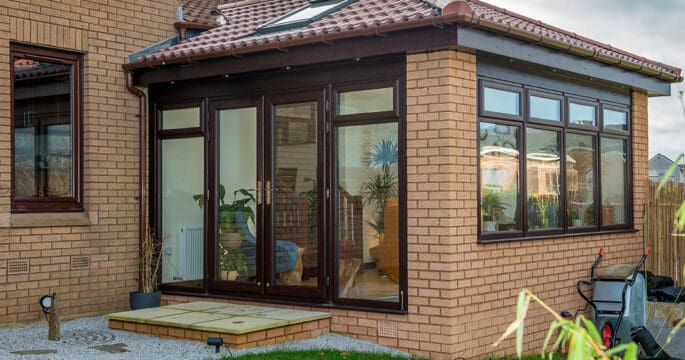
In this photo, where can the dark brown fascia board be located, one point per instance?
(459, 18)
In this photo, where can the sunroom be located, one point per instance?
(400, 164)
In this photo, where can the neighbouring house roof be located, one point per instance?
(375, 17)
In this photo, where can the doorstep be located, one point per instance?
(240, 326)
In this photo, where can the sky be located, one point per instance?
(650, 28)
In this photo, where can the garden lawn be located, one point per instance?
(313, 355)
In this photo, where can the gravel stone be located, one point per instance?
(81, 339)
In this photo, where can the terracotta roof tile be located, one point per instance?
(245, 16)
(199, 12)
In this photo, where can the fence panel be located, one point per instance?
(667, 255)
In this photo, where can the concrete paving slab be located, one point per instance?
(144, 314)
(293, 316)
(237, 309)
(198, 306)
(186, 319)
(239, 325)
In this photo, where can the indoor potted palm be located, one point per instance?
(150, 261)
(380, 183)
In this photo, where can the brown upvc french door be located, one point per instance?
(236, 230)
(265, 208)
(294, 195)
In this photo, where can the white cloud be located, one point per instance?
(652, 29)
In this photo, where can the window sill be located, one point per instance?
(29, 220)
(554, 236)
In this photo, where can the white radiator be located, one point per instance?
(191, 253)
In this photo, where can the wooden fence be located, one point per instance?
(667, 255)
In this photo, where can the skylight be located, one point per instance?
(315, 10)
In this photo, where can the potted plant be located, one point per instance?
(232, 263)
(492, 209)
(380, 183)
(150, 262)
(231, 232)
(573, 219)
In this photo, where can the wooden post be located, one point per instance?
(53, 320)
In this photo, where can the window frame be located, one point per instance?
(73, 203)
(503, 87)
(583, 102)
(563, 127)
(548, 95)
(616, 108)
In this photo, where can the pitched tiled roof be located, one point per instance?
(199, 12)
(368, 17)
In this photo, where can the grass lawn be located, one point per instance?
(314, 355)
(346, 355)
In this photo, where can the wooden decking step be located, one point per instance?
(240, 326)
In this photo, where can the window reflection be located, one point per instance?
(543, 170)
(499, 162)
(615, 120)
(580, 180)
(582, 114)
(545, 108)
(613, 181)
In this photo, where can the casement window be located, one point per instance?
(551, 163)
(46, 108)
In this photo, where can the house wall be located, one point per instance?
(461, 293)
(105, 237)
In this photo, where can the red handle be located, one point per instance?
(647, 251)
(601, 252)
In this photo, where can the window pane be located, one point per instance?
(367, 226)
(499, 169)
(237, 218)
(181, 118)
(501, 101)
(43, 153)
(543, 174)
(295, 205)
(308, 12)
(545, 108)
(582, 114)
(614, 155)
(615, 120)
(182, 218)
(580, 180)
(365, 101)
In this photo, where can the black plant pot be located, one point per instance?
(144, 300)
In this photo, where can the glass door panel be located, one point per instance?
(237, 196)
(295, 195)
(367, 219)
(182, 219)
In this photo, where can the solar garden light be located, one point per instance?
(216, 341)
(49, 305)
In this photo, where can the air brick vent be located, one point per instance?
(80, 262)
(17, 267)
(387, 329)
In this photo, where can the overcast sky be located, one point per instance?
(650, 28)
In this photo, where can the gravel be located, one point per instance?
(81, 336)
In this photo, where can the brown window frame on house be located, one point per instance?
(73, 203)
(563, 127)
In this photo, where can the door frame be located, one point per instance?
(319, 95)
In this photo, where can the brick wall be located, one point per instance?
(105, 34)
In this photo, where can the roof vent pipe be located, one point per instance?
(179, 13)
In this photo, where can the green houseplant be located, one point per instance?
(492, 208)
(232, 263)
(380, 183)
(231, 232)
